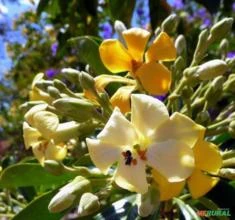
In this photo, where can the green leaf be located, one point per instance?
(122, 11)
(38, 209)
(186, 210)
(31, 175)
(88, 52)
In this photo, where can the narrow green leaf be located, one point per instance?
(187, 210)
(38, 209)
(88, 52)
(21, 175)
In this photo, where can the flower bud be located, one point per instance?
(229, 85)
(203, 117)
(53, 167)
(59, 85)
(180, 45)
(223, 47)
(170, 24)
(53, 92)
(215, 89)
(89, 204)
(227, 173)
(207, 71)
(87, 82)
(72, 74)
(69, 195)
(79, 110)
(201, 46)
(229, 162)
(119, 27)
(148, 202)
(221, 29)
(231, 129)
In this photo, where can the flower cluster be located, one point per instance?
(140, 145)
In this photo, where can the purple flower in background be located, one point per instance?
(50, 73)
(206, 22)
(233, 6)
(231, 54)
(54, 48)
(106, 30)
(177, 4)
(161, 97)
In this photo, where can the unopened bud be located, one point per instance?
(227, 173)
(69, 195)
(221, 29)
(180, 45)
(187, 92)
(231, 129)
(53, 167)
(201, 46)
(53, 92)
(223, 47)
(230, 62)
(89, 204)
(43, 84)
(148, 202)
(119, 27)
(59, 85)
(208, 70)
(215, 89)
(79, 110)
(203, 117)
(87, 82)
(71, 74)
(229, 162)
(229, 85)
(170, 24)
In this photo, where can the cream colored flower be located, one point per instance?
(43, 132)
(152, 138)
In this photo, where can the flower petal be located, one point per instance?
(55, 152)
(31, 135)
(46, 123)
(147, 113)
(121, 98)
(38, 151)
(118, 131)
(30, 114)
(131, 177)
(180, 127)
(162, 49)
(199, 183)
(173, 159)
(103, 155)
(154, 77)
(115, 56)
(167, 190)
(207, 157)
(136, 40)
(102, 81)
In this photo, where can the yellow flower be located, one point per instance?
(43, 132)
(143, 141)
(36, 94)
(207, 161)
(146, 67)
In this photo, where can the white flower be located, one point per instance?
(151, 138)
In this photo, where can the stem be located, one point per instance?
(215, 132)
(218, 124)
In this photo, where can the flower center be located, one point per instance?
(128, 155)
(135, 66)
